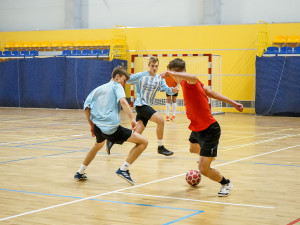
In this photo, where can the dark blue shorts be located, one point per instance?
(144, 113)
(119, 137)
(208, 140)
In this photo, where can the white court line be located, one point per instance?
(228, 148)
(196, 200)
(140, 185)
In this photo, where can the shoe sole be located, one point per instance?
(166, 154)
(132, 183)
(221, 195)
(80, 179)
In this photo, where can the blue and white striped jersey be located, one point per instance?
(147, 86)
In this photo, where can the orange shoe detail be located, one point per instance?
(173, 118)
(167, 118)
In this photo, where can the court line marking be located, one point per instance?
(228, 148)
(136, 186)
(118, 202)
(293, 222)
(40, 139)
(196, 200)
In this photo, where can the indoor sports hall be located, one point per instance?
(54, 53)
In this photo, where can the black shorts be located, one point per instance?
(144, 113)
(172, 95)
(119, 137)
(208, 140)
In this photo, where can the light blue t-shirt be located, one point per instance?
(147, 86)
(104, 102)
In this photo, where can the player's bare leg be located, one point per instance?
(159, 120)
(92, 153)
(140, 145)
(80, 175)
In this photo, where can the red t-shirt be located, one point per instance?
(196, 106)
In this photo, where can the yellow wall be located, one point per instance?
(235, 43)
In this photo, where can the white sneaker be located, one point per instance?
(225, 189)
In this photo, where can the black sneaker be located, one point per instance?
(108, 146)
(125, 175)
(162, 150)
(78, 176)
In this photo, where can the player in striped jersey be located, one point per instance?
(147, 84)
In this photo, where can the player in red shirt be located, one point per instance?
(205, 135)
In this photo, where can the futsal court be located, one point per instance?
(41, 150)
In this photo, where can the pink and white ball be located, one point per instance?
(193, 177)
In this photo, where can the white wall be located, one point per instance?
(19, 15)
(250, 11)
(145, 13)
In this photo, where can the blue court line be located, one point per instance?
(45, 142)
(51, 125)
(118, 202)
(51, 149)
(43, 156)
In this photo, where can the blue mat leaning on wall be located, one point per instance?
(278, 86)
(52, 82)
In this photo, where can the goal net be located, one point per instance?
(206, 67)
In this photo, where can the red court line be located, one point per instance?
(295, 221)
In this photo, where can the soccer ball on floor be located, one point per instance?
(193, 177)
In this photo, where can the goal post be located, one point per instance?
(207, 68)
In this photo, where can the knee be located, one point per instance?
(161, 121)
(145, 143)
(204, 171)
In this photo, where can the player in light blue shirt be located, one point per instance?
(102, 107)
(147, 84)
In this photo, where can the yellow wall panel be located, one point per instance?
(235, 43)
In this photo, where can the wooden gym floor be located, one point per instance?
(41, 149)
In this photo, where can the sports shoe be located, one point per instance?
(78, 176)
(108, 146)
(125, 175)
(225, 189)
(162, 150)
(173, 118)
(167, 118)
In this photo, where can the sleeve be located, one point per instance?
(134, 78)
(89, 100)
(119, 91)
(165, 88)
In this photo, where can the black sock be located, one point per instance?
(224, 181)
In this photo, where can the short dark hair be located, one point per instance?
(121, 71)
(176, 64)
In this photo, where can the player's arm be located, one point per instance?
(87, 112)
(180, 76)
(212, 94)
(128, 111)
(169, 90)
(134, 78)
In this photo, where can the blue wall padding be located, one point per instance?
(52, 82)
(277, 86)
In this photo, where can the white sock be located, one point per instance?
(168, 105)
(174, 107)
(160, 142)
(125, 166)
(82, 169)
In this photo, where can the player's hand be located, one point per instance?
(165, 74)
(239, 107)
(175, 90)
(133, 125)
(92, 132)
